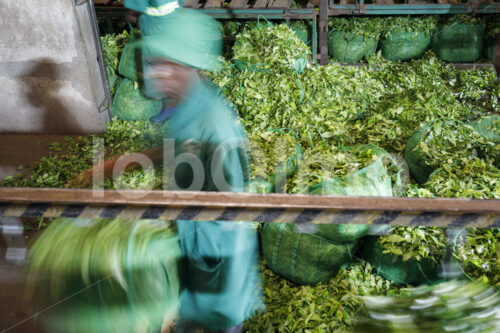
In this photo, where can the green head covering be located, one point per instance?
(187, 37)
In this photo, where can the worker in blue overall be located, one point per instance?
(221, 277)
(149, 14)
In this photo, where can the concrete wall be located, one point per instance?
(50, 81)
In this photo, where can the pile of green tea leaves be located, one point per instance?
(451, 306)
(272, 45)
(479, 250)
(326, 307)
(106, 255)
(330, 162)
(415, 243)
(360, 26)
(112, 47)
(74, 156)
(463, 160)
(478, 88)
(268, 150)
(151, 178)
(476, 179)
(330, 108)
(114, 263)
(455, 143)
(382, 103)
(398, 24)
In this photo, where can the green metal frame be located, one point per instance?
(412, 9)
(320, 19)
(227, 14)
(362, 9)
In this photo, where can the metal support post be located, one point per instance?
(323, 32)
(496, 57)
(12, 230)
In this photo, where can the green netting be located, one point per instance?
(489, 47)
(128, 62)
(419, 168)
(260, 185)
(488, 127)
(303, 258)
(301, 30)
(342, 233)
(370, 181)
(441, 142)
(392, 267)
(459, 42)
(346, 47)
(130, 104)
(405, 45)
(121, 275)
(373, 180)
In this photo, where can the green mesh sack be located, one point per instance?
(459, 42)
(342, 233)
(259, 185)
(419, 168)
(370, 181)
(301, 30)
(440, 140)
(488, 127)
(405, 45)
(301, 257)
(347, 48)
(393, 268)
(373, 180)
(128, 62)
(130, 104)
(121, 275)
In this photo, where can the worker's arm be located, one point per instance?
(100, 172)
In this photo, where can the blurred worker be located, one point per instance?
(221, 276)
(149, 14)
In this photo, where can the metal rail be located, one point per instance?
(287, 14)
(326, 9)
(210, 206)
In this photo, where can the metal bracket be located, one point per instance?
(80, 2)
(12, 230)
(496, 57)
(323, 32)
